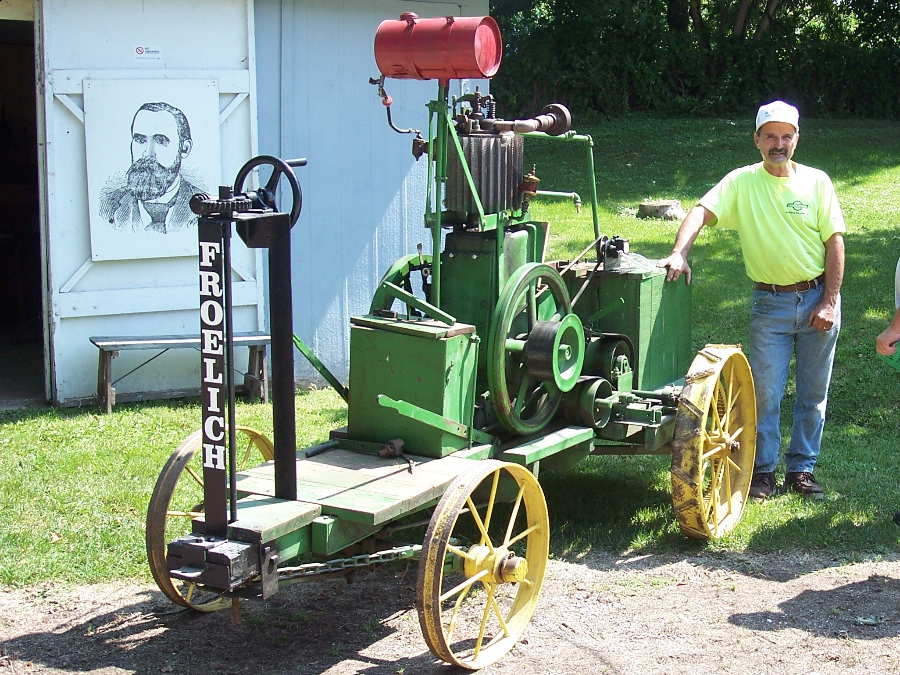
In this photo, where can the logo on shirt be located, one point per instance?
(798, 207)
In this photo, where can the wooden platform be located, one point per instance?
(361, 487)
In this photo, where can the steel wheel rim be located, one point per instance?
(715, 443)
(523, 404)
(165, 518)
(468, 616)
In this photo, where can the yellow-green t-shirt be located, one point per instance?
(782, 222)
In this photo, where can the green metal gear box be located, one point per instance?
(655, 315)
(426, 363)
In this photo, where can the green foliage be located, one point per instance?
(611, 56)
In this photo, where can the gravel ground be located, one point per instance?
(760, 614)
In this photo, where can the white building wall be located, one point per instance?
(363, 193)
(80, 40)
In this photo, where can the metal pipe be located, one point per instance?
(571, 136)
(574, 196)
(304, 349)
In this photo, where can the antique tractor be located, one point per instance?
(476, 366)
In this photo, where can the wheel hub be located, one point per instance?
(501, 565)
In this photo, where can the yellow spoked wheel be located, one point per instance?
(178, 498)
(482, 564)
(715, 443)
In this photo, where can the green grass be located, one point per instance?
(621, 503)
(74, 484)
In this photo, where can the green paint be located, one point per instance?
(429, 364)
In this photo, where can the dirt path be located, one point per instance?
(646, 615)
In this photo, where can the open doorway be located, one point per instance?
(21, 317)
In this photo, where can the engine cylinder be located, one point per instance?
(496, 163)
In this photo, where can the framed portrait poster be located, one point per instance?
(151, 145)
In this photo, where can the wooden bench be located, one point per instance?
(256, 379)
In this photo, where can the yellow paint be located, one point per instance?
(715, 443)
(488, 565)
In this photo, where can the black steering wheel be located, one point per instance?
(266, 194)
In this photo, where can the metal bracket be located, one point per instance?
(268, 570)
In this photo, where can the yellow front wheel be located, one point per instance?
(482, 564)
(715, 443)
(178, 498)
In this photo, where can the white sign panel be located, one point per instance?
(151, 144)
(144, 53)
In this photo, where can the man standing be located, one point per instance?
(790, 227)
(155, 196)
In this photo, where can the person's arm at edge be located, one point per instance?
(886, 343)
(822, 317)
(690, 227)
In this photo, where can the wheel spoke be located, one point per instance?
(484, 617)
(462, 554)
(455, 613)
(715, 450)
(272, 185)
(197, 477)
(491, 499)
(485, 539)
(183, 514)
(523, 534)
(463, 586)
(499, 614)
(543, 386)
(530, 306)
(734, 466)
(729, 401)
(714, 405)
(522, 399)
(515, 514)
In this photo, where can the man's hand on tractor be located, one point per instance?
(677, 265)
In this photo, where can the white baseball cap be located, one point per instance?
(778, 111)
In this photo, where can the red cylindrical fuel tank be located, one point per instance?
(443, 48)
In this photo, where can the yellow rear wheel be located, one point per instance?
(715, 443)
(178, 498)
(482, 564)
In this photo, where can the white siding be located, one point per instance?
(363, 193)
(96, 39)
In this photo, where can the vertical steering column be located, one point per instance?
(215, 374)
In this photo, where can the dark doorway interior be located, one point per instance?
(21, 322)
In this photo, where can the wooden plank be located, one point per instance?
(549, 444)
(71, 81)
(264, 519)
(121, 343)
(424, 329)
(80, 304)
(360, 487)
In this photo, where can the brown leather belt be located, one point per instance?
(799, 287)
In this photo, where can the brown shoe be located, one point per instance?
(762, 485)
(804, 483)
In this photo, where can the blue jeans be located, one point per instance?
(779, 327)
